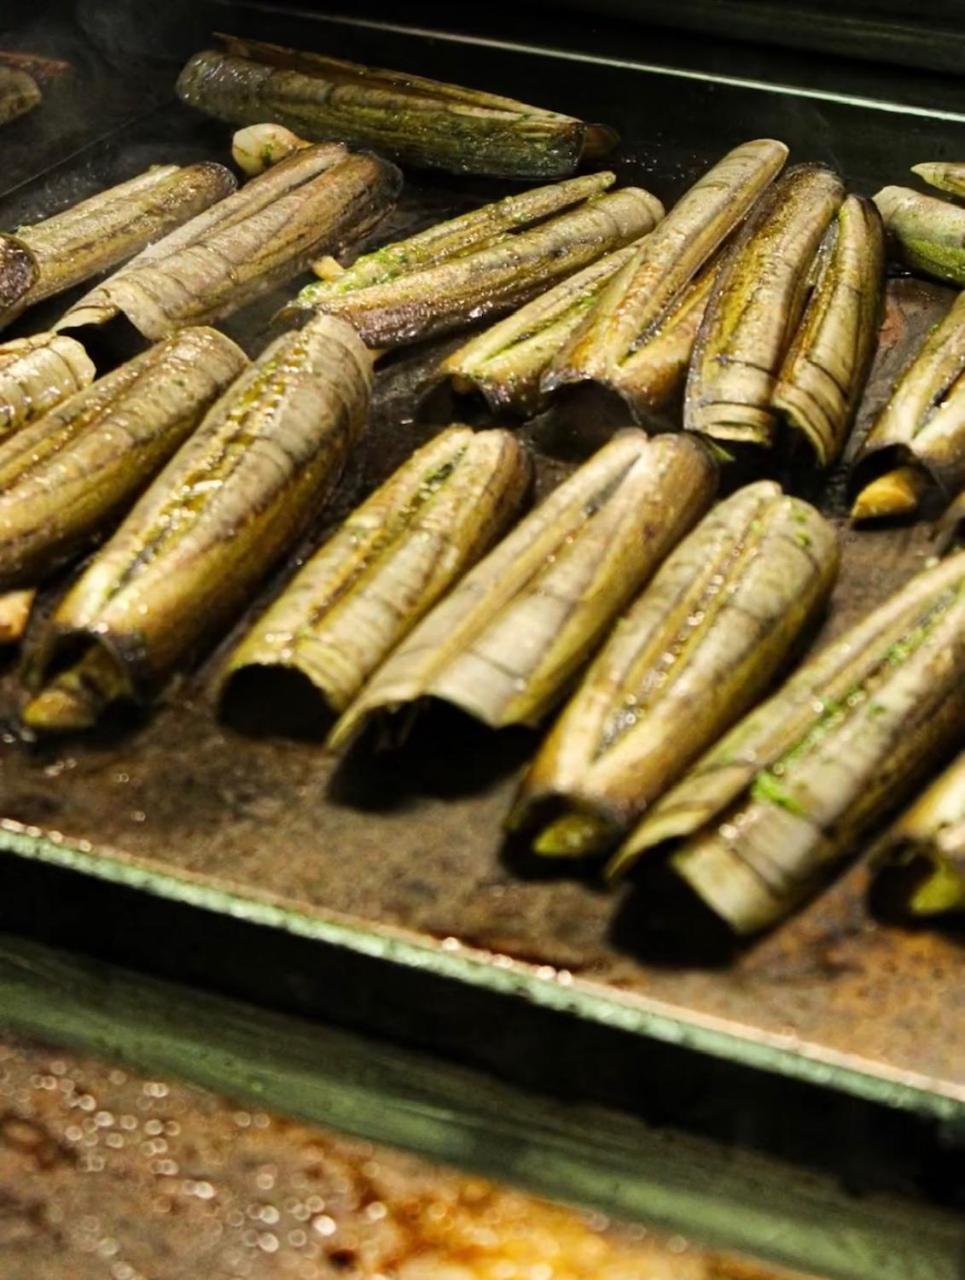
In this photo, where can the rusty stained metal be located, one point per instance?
(104, 1171)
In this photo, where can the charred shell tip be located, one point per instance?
(599, 140)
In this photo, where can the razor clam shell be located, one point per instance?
(19, 93)
(929, 233)
(945, 175)
(414, 120)
(924, 421)
(505, 363)
(235, 497)
(388, 564)
(766, 813)
(951, 527)
(456, 237)
(757, 302)
(651, 379)
(923, 853)
(98, 233)
(698, 648)
(639, 296)
(36, 375)
(825, 370)
(503, 646)
(496, 278)
(67, 474)
(18, 274)
(315, 201)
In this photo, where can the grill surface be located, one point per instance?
(406, 863)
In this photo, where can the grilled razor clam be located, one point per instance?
(763, 817)
(18, 274)
(922, 857)
(825, 370)
(318, 199)
(918, 440)
(929, 233)
(504, 364)
(754, 310)
(945, 175)
(96, 234)
(36, 375)
(951, 527)
(652, 378)
(409, 118)
(379, 574)
(229, 504)
(19, 93)
(489, 280)
(696, 650)
(456, 237)
(66, 475)
(504, 644)
(639, 296)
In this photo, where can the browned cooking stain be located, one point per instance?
(108, 1175)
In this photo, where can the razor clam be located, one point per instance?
(380, 573)
(922, 857)
(765, 815)
(97, 234)
(640, 295)
(951, 527)
(456, 237)
(929, 233)
(504, 364)
(36, 374)
(504, 644)
(825, 370)
(19, 93)
(411, 119)
(918, 440)
(18, 274)
(67, 474)
(693, 653)
(753, 313)
(652, 377)
(319, 198)
(485, 281)
(945, 175)
(235, 497)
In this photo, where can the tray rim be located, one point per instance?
(565, 54)
(543, 985)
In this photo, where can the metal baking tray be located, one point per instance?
(406, 864)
